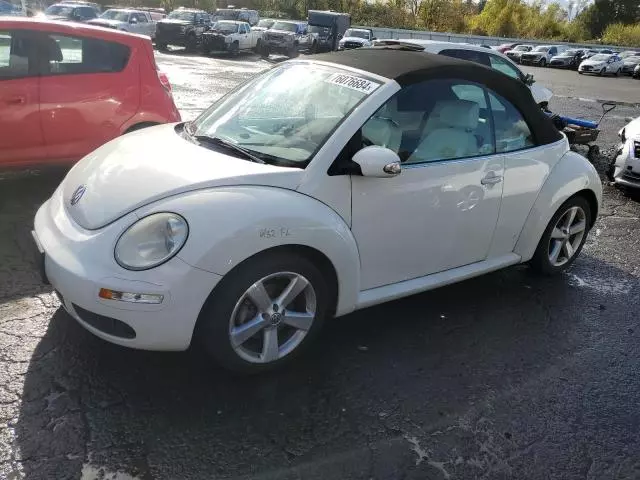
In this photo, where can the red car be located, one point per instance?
(66, 89)
(505, 47)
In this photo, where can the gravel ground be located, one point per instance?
(505, 376)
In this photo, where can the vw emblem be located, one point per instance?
(77, 195)
(276, 318)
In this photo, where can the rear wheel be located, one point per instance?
(602, 72)
(264, 313)
(543, 62)
(564, 237)
(618, 72)
(162, 46)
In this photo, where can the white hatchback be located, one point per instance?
(317, 188)
(481, 55)
(601, 64)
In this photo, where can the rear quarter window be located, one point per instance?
(80, 55)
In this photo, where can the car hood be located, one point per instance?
(280, 32)
(354, 39)
(104, 21)
(145, 166)
(593, 62)
(57, 17)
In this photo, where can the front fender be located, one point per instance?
(572, 174)
(227, 225)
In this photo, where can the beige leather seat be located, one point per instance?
(450, 132)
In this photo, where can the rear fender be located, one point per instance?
(572, 174)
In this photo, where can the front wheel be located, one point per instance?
(602, 72)
(618, 72)
(264, 313)
(564, 237)
(162, 46)
(192, 44)
(234, 49)
(543, 62)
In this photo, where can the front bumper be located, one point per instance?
(626, 170)
(560, 63)
(214, 43)
(79, 262)
(171, 38)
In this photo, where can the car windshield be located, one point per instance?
(227, 14)
(61, 10)
(178, 15)
(286, 26)
(286, 114)
(570, 53)
(357, 33)
(226, 27)
(119, 15)
(265, 23)
(601, 57)
(316, 29)
(522, 48)
(541, 49)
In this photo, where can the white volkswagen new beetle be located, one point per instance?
(316, 188)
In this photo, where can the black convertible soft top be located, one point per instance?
(409, 67)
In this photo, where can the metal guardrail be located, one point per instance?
(397, 33)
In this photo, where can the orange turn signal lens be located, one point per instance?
(148, 298)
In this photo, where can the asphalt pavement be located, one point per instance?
(508, 376)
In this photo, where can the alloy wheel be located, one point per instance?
(566, 236)
(272, 317)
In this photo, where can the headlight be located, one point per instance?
(151, 241)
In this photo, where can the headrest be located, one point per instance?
(54, 53)
(462, 114)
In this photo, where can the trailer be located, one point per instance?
(328, 27)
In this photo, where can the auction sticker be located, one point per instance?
(354, 83)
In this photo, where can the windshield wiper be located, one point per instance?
(228, 145)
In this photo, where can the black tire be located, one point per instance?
(213, 323)
(602, 72)
(612, 166)
(191, 44)
(293, 51)
(205, 50)
(543, 62)
(618, 73)
(594, 151)
(162, 47)
(580, 73)
(314, 47)
(258, 46)
(234, 49)
(264, 51)
(540, 261)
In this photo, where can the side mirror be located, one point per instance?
(376, 161)
(529, 80)
(133, 20)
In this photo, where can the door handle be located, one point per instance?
(491, 179)
(15, 100)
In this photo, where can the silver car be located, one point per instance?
(134, 21)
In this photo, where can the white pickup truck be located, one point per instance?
(231, 36)
(127, 20)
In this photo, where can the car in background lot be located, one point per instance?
(246, 229)
(239, 14)
(630, 63)
(327, 28)
(288, 37)
(505, 47)
(624, 169)
(356, 38)
(263, 24)
(134, 21)
(71, 12)
(628, 53)
(474, 53)
(636, 72)
(67, 89)
(571, 58)
(183, 28)
(8, 8)
(540, 55)
(601, 64)
(515, 53)
(230, 36)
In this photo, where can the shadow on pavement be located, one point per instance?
(21, 194)
(416, 363)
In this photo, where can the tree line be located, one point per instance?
(605, 21)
